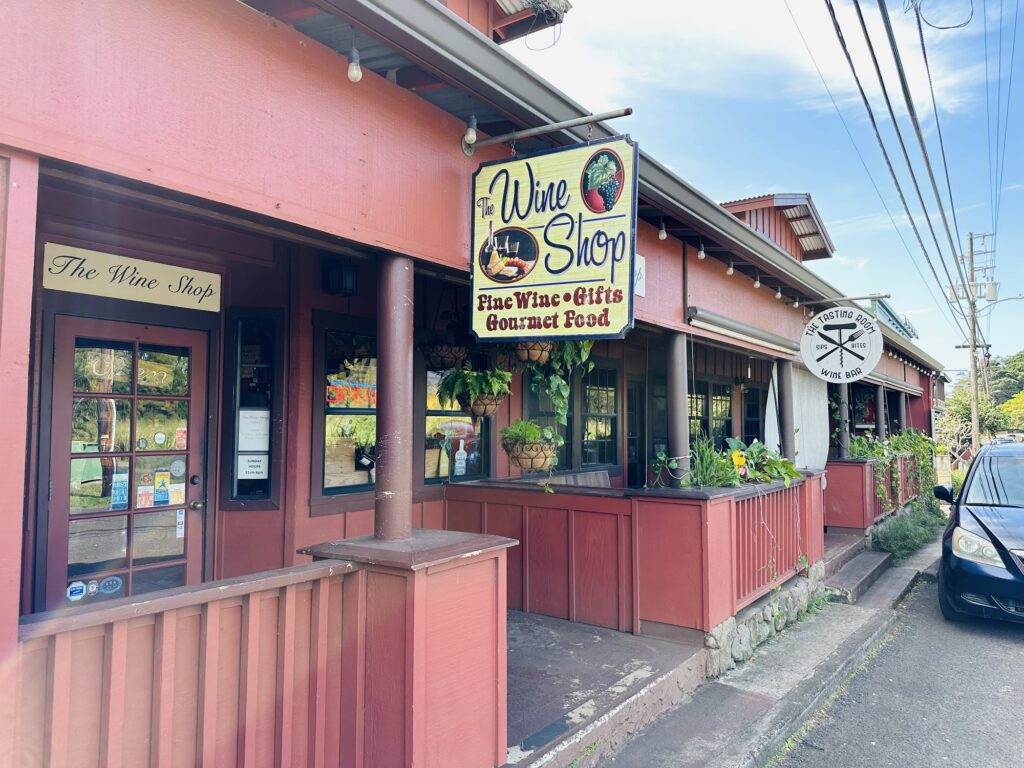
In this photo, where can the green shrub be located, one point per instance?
(709, 467)
(908, 532)
(958, 477)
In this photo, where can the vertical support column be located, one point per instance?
(844, 421)
(19, 182)
(678, 400)
(786, 426)
(903, 411)
(737, 412)
(392, 518)
(880, 412)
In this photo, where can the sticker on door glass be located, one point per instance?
(111, 585)
(179, 531)
(119, 490)
(177, 493)
(180, 438)
(159, 438)
(76, 591)
(162, 488)
(178, 468)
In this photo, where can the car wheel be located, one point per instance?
(949, 613)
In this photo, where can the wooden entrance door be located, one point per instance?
(127, 460)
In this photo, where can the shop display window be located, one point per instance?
(455, 444)
(350, 411)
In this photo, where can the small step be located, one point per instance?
(841, 548)
(854, 578)
(890, 588)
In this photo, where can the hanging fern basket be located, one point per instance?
(529, 456)
(481, 405)
(533, 351)
(444, 357)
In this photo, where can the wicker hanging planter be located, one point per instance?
(444, 357)
(531, 457)
(482, 405)
(533, 351)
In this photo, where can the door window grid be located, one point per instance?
(120, 540)
(600, 417)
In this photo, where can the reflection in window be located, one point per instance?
(600, 417)
(163, 370)
(721, 414)
(698, 411)
(99, 485)
(101, 425)
(103, 367)
(754, 401)
(350, 407)
(97, 544)
(455, 444)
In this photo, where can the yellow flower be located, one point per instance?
(738, 459)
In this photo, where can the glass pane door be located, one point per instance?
(126, 486)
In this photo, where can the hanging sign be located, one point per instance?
(78, 270)
(553, 244)
(841, 345)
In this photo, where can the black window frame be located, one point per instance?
(480, 361)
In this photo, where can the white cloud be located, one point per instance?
(856, 263)
(746, 49)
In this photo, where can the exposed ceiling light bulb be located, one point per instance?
(778, 293)
(730, 270)
(355, 72)
(662, 233)
(470, 135)
(796, 303)
(757, 281)
(700, 254)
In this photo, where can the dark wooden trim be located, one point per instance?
(229, 400)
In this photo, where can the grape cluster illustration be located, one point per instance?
(608, 190)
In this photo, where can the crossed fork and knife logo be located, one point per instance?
(839, 343)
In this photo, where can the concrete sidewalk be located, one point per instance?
(744, 717)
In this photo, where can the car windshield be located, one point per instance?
(998, 480)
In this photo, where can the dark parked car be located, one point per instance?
(982, 571)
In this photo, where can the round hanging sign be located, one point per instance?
(841, 345)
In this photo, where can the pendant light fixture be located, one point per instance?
(662, 233)
(730, 270)
(700, 254)
(778, 293)
(470, 135)
(757, 281)
(355, 72)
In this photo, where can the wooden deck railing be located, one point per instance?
(239, 672)
(767, 542)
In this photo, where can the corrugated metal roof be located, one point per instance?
(560, 7)
(799, 210)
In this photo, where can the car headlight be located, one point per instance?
(975, 548)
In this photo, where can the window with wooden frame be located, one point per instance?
(541, 410)
(755, 400)
(345, 412)
(600, 417)
(254, 376)
(711, 411)
(455, 445)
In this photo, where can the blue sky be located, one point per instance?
(727, 95)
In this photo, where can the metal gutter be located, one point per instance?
(436, 39)
(702, 318)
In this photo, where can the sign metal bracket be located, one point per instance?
(468, 149)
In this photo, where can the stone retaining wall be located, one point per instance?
(735, 639)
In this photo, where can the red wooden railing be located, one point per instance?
(240, 672)
(767, 542)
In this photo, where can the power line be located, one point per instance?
(912, 111)
(885, 154)
(902, 143)
(1006, 119)
(935, 109)
(942, 307)
(988, 120)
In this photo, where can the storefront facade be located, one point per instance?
(209, 283)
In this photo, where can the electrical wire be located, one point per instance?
(943, 308)
(885, 153)
(935, 110)
(916, 6)
(1006, 120)
(912, 112)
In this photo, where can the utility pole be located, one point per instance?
(972, 302)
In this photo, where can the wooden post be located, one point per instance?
(844, 421)
(393, 499)
(880, 412)
(678, 401)
(786, 426)
(903, 411)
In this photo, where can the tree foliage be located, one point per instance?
(953, 427)
(1014, 410)
(1007, 377)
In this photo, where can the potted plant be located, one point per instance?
(530, 446)
(478, 393)
(533, 351)
(552, 371)
(441, 354)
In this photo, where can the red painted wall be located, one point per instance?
(710, 288)
(663, 302)
(228, 104)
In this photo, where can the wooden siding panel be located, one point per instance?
(596, 544)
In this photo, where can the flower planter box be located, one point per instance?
(850, 499)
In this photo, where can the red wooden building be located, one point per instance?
(219, 248)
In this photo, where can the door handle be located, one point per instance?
(196, 504)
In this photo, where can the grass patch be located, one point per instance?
(906, 533)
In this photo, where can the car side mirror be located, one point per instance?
(944, 493)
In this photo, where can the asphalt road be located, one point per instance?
(937, 694)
